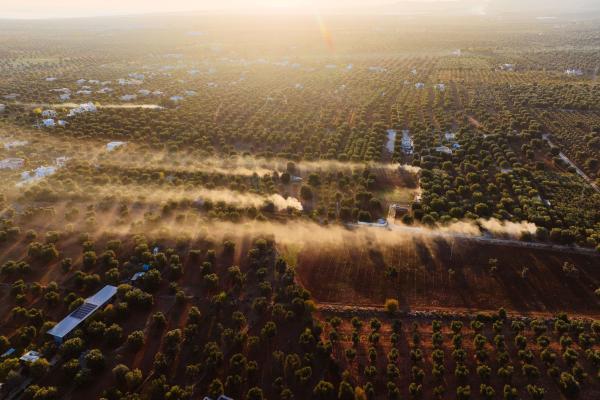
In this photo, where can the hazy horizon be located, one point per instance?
(40, 9)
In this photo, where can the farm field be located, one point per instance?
(276, 206)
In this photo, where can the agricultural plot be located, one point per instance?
(221, 173)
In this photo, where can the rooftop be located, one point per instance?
(31, 356)
(90, 305)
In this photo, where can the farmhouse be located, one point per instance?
(443, 149)
(48, 113)
(12, 163)
(48, 122)
(37, 174)
(85, 107)
(128, 97)
(574, 72)
(114, 145)
(406, 143)
(30, 357)
(81, 313)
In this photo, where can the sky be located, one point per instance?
(87, 8)
(90, 8)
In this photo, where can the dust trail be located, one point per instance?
(282, 203)
(481, 226)
(295, 233)
(510, 228)
(161, 194)
(238, 165)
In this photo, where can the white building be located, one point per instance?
(64, 96)
(30, 357)
(48, 122)
(176, 98)
(137, 76)
(12, 163)
(124, 82)
(443, 150)
(406, 143)
(83, 108)
(128, 97)
(144, 92)
(574, 72)
(37, 174)
(114, 145)
(49, 114)
(419, 85)
(440, 86)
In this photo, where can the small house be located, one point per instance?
(8, 353)
(128, 97)
(137, 276)
(30, 357)
(114, 145)
(12, 163)
(443, 150)
(49, 114)
(48, 122)
(419, 85)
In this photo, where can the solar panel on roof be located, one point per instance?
(83, 311)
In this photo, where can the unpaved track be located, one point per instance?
(424, 232)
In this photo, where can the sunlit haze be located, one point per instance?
(75, 8)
